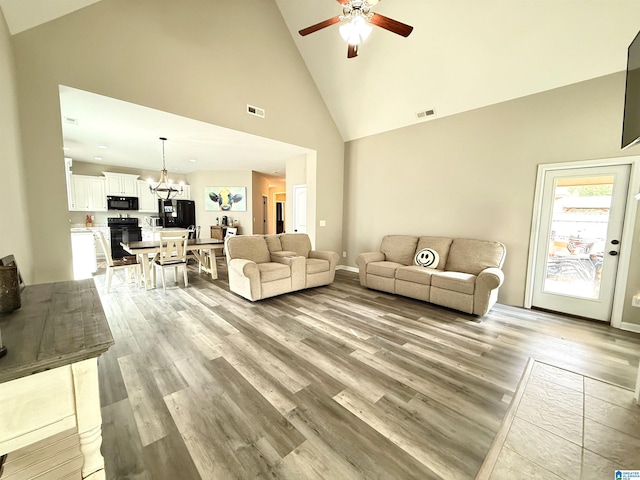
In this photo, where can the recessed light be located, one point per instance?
(192, 160)
(66, 149)
(97, 158)
(103, 147)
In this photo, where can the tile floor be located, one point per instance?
(563, 425)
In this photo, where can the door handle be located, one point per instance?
(613, 253)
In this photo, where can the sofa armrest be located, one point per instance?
(490, 278)
(244, 268)
(363, 259)
(244, 278)
(331, 257)
(298, 266)
(281, 254)
(486, 294)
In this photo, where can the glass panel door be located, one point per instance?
(579, 240)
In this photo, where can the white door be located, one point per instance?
(578, 241)
(300, 208)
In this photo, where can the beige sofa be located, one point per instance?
(458, 273)
(262, 266)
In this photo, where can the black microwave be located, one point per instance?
(122, 203)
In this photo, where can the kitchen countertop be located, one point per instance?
(58, 324)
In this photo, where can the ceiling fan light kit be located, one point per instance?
(358, 15)
(164, 189)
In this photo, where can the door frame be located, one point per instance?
(627, 228)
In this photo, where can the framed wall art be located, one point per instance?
(225, 199)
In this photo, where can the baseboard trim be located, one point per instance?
(347, 267)
(630, 327)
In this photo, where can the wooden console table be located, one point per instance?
(50, 415)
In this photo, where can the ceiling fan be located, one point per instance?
(359, 15)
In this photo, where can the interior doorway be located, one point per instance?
(280, 217)
(578, 237)
(300, 208)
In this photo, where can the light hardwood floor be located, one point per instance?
(335, 382)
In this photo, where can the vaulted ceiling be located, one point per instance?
(461, 55)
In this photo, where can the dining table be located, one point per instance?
(202, 249)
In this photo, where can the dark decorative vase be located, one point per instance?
(9, 289)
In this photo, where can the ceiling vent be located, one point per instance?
(425, 113)
(257, 111)
(72, 121)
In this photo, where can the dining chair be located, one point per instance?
(194, 231)
(172, 254)
(130, 263)
(231, 232)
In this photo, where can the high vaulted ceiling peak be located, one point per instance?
(461, 55)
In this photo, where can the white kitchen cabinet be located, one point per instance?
(186, 193)
(84, 254)
(121, 184)
(88, 194)
(147, 201)
(151, 234)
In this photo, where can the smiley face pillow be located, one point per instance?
(427, 257)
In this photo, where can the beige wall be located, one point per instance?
(205, 62)
(473, 174)
(220, 178)
(14, 229)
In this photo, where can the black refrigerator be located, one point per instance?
(177, 213)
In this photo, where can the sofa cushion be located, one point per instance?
(383, 269)
(440, 245)
(399, 248)
(454, 281)
(415, 274)
(317, 265)
(249, 247)
(273, 271)
(298, 242)
(273, 243)
(473, 256)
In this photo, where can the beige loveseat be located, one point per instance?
(262, 266)
(458, 273)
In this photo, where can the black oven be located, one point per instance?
(123, 230)
(122, 203)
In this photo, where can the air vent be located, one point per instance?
(425, 113)
(72, 121)
(257, 111)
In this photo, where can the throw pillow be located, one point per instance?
(427, 257)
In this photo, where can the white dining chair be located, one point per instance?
(130, 263)
(231, 232)
(172, 254)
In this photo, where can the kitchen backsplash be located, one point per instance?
(100, 218)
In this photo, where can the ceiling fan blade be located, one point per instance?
(391, 25)
(343, 2)
(319, 26)
(352, 51)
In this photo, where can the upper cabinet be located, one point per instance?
(121, 184)
(186, 193)
(147, 200)
(88, 194)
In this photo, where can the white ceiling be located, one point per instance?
(131, 135)
(462, 55)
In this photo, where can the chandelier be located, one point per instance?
(164, 189)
